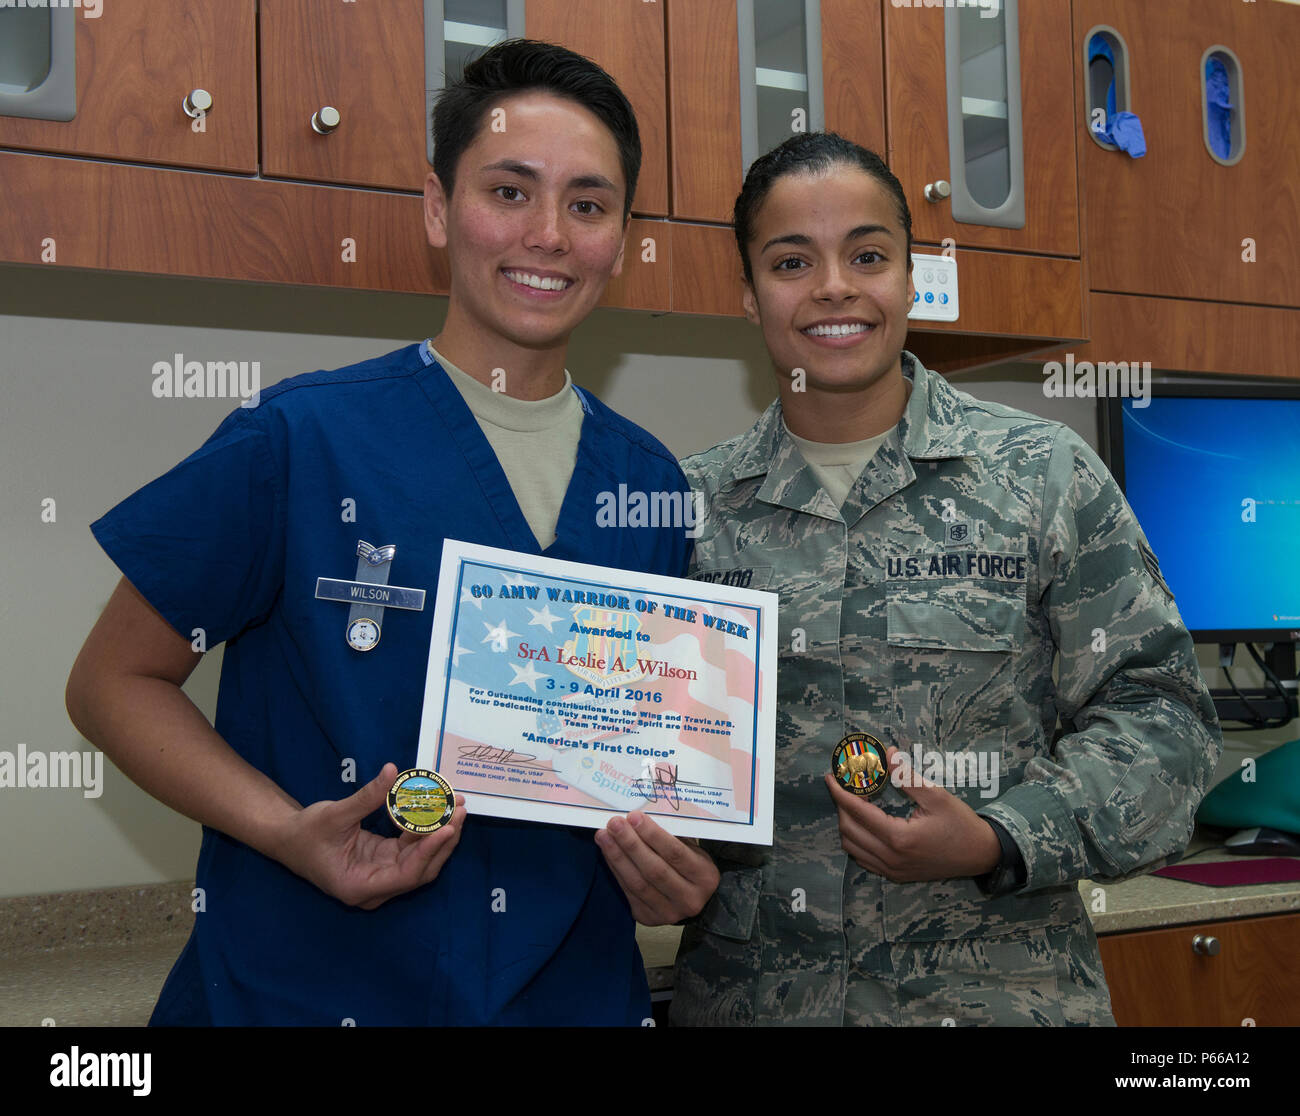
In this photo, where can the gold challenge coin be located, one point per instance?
(420, 801)
(859, 764)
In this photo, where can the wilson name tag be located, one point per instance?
(360, 592)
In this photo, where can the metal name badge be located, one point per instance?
(369, 594)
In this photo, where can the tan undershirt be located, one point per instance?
(837, 465)
(536, 442)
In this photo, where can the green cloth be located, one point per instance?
(1272, 799)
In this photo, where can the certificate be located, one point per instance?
(568, 693)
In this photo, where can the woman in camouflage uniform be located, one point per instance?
(935, 555)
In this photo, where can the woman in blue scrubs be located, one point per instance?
(322, 913)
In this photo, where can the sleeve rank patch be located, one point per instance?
(1153, 568)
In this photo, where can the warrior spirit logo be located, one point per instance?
(599, 633)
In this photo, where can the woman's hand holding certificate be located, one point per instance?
(665, 878)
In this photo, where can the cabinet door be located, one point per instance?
(704, 108)
(853, 71)
(134, 73)
(839, 80)
(626, 39)
(646, 282)
(1176, 222)
(366, 61)
(706, 275)
(1215, 974)
(918, 94)
(214, 226)
(1179, 334)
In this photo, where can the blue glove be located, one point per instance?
(1123, 129)
(1219, 107)
(1125, 132)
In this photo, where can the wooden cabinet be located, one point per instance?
(883, 75)
(704, 108)
(704, 90)
(1173, 258)
(918, 121)
(648, 259)
(1012, 304)
(626, 40)
(1213, 338)
(1175, 222)
(216, 226)
(366, 61)
(706, 275)
(134, 71)
(225, 227)
(853, 71)
(1213, 974)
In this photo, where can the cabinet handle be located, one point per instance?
(197, 102)
(325, 120)
(1205, 944)
(937, 191)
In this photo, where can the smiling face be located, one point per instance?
(832, 286)
(533, 230)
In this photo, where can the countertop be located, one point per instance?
(1148, 902)
(99, 958)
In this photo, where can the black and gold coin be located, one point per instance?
(420, 801)
(859, 764)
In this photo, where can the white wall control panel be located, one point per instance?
(936, 288)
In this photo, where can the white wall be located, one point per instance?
(79, 424)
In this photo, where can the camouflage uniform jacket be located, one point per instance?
(978, 543)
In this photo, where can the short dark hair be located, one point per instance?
(523, 65)
(808, 153)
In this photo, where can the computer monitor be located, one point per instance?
(1212, 472)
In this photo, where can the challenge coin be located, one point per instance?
(420, 801)
(859, 764)
(363, 634)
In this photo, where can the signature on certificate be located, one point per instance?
(661, 782)
(507, 757)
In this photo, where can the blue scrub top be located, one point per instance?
(232, 541)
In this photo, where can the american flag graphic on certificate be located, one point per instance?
(562, 692)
